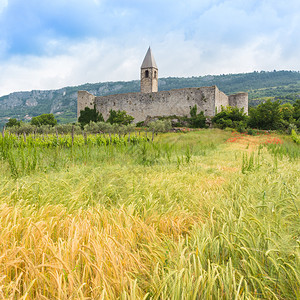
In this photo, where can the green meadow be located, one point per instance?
(205, 214)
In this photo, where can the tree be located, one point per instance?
(296, 114)
(13, 122)
(287, 111)
(266, 116)
(119, 117)
(44, 119)
(160, 126)
(89, 114)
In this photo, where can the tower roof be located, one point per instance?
(149, 61)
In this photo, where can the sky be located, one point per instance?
(50, 44)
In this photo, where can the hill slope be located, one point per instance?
(63, 102)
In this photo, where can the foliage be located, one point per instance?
(197, 120)
(119, 117)
(13, 122)
(160, 126)
(295, 137)
(92, 127)
(67, 128)
(266, 116)
(296, 106)
(97, 127)
(44, 119)
(287, 111)
(26, 128)
(231, 117)
(89, 115)
(296, 114)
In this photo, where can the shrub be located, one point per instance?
(232, 117)
(291, 127)
(295, 137)
(252, 131)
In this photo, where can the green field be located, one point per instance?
(207, 214)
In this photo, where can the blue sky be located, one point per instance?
(48, 44)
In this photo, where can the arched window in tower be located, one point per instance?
(146, 73)
(155, 74)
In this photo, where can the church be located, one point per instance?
(150, 102)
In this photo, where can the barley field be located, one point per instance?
(207, 214)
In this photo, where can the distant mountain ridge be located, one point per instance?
(63, 102)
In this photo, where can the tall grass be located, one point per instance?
(126, 221)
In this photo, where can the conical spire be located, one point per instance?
(149, 61)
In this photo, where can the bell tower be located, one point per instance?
(149, 74)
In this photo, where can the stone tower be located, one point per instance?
(149, 74)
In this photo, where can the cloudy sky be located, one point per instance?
(48, 44)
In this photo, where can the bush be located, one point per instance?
(232, 117)
(252, 131)
(295, 137)
(291, 127)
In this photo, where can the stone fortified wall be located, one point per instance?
(239, 100)
(84, 99)
(220, 100)
(165, 103)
